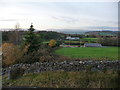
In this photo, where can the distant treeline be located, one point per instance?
(16, 37)
(103, 33)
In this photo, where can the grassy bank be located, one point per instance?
(61, 79)
(105, 53)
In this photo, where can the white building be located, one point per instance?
(72, 38)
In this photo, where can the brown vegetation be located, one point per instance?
(11, 53)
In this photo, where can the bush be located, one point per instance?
(15, 73)
(11, 54)
(113, 41)
(43, 54)
(47, 54)
(46, 58)
(64, 58)
(52, 43)
(30, 58)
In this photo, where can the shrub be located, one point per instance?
(64, 58)
(15, 73)
(30, 58)
(113, 41)
(52, 43)
(46, 54)
(43, 54)
(11, 54)
(46, 58)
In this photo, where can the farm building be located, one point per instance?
(92, 45)
(72, 38)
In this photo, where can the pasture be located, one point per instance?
(82, 39)
(90, 40)
(105, 53)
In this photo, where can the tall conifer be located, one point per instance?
(31, 40)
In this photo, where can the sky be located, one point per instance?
(59, 15)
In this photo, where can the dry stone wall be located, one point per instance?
(65, 65)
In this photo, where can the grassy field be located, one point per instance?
(72, 41)
(62, 79)
(90, 39)
(105, 53)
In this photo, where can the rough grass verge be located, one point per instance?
(62, 79)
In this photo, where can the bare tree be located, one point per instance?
(17, 34)
(14, 36)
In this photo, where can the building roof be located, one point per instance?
(92, 45)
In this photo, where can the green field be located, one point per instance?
(90, 39)
(105, 53)
(72, 41)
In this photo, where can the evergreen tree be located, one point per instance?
(31, 40)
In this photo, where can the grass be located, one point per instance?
(61, 79)
(107, 53)
(90, 39)
(72, 41)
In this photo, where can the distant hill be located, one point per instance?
(71, 31)
(103, 33)
(79, 31)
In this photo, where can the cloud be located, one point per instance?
(60, 0)
(66, 19)
(8, 20)
(103, 27)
